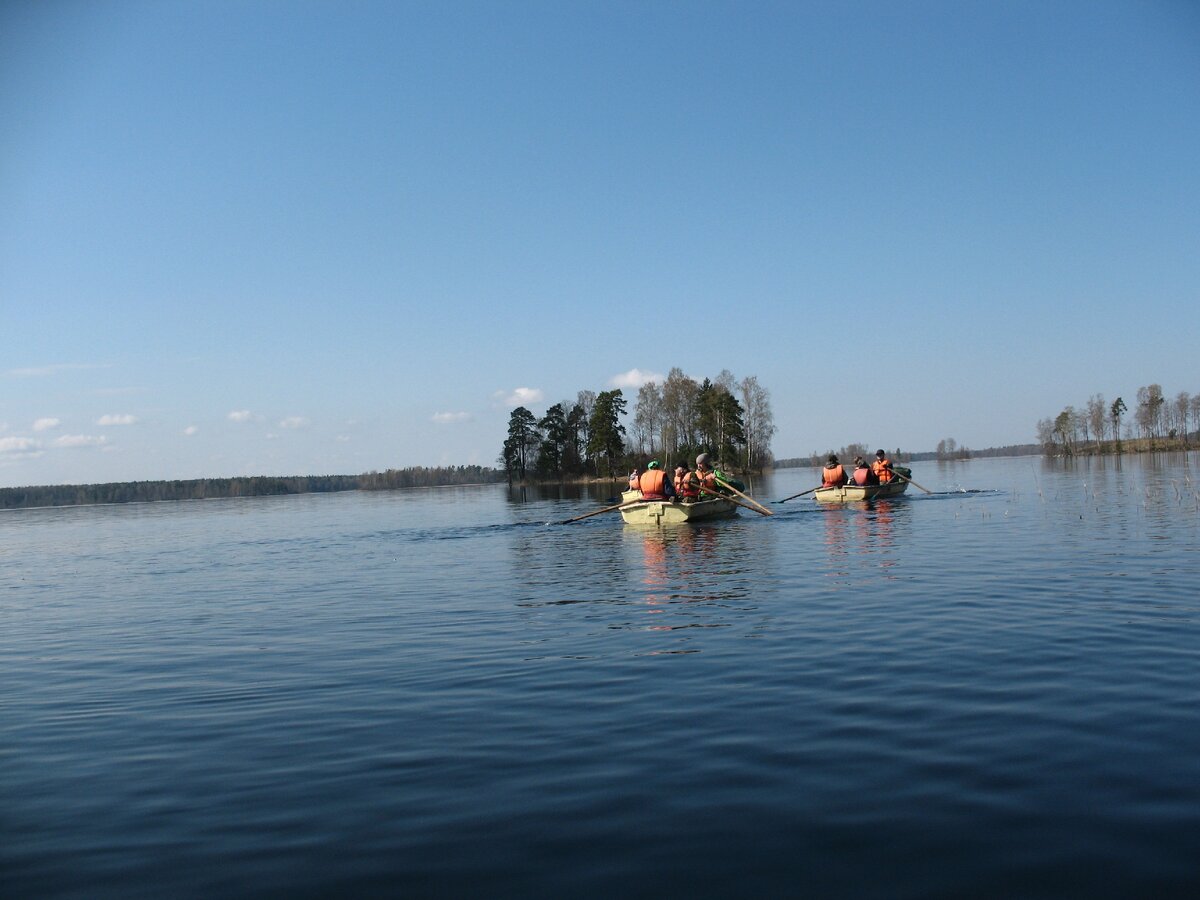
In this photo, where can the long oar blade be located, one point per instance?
(910, 481)
(801, 494)
(755, 505)
(597, 512)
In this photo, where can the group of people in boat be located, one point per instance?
(878, 472)
(687, 485)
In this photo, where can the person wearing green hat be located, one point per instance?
(654, 483)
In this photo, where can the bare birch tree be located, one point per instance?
(759, 422)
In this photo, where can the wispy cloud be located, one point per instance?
(79, 440)
(19, 445)
(46, 424)
(116, 419)
(44, 371)
(449, 418)
(191, 430)
(635, 378)
(294, 422)
(240, 415)
(520, 397)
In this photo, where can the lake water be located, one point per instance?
(987, 691)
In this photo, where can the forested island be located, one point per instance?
(729, 419)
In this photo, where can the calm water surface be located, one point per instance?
(990, 690)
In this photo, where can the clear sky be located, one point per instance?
(305, 238)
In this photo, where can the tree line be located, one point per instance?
(675, 420)
(250, 486)
(1155, 422)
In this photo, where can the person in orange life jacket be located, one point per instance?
(862, 473)
(882, 467)
(634, 480)
(688, 486)
(706, 476)
(654, 483)
(833, 475)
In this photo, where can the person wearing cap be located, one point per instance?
(862, 474)
(882, 467)
(833, 475)
(705, 476)
(654, 483)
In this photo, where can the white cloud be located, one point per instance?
(240, 415)
(117, 419)
(18, 445)
(190, 430)
(46, 424)
(294, 422)
(80, 440)
(342, 438)
(635, 378)
(449, 418)
(522, 396)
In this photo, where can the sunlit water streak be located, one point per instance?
(985, 691)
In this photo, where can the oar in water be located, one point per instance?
(597, 512)
(757, 507)
(801, 494)
(910, 481)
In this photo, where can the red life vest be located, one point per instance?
(651, 484)
(834, 475)
(861, 476)
(883, 470)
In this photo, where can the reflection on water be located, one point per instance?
(686, 581)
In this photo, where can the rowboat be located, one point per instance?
(849, 493)
(671, 512)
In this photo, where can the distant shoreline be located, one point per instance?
(120, 492)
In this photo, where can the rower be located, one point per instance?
(882, 467)
(833, 475)
(654, 483)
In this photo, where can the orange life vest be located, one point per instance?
(689, 485)
(708, 481)
(834, 475)
(861, 476)
(883, 469)
(651, 484)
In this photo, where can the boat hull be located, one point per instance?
(668, 512)
(850, 493)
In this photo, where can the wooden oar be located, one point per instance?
(910, 481)
(757, 507)
(736, 502)
(598, 511)
(801, 494)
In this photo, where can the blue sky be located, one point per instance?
(290, 237)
